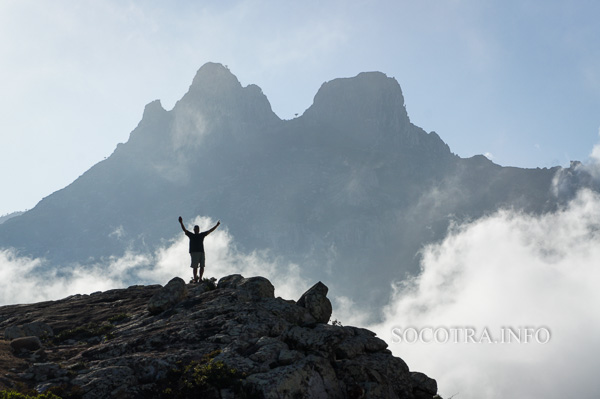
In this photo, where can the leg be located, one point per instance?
(202, 262)
(194, 265)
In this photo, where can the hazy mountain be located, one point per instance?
(351, 190)
(4, 218)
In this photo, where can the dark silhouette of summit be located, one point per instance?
(350, 190)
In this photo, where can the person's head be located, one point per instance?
(196, 229)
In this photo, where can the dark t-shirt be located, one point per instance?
(196, 241)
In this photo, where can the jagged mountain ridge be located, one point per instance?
(351, 185)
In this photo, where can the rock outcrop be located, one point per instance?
(232, 340)
(317, 303)
(174, 292)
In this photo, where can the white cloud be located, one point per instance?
(508, 270)
(27, 280)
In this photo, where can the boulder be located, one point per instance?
(170, 295)
(33, 329)
(258, 287)
(316, 302)
(311, 377)
(25, 344)
(38, 329)
(231, 281)
(422, 384)
(13, 332)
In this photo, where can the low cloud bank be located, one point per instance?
(27, 280)
(509, 275)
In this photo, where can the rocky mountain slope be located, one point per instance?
(4, 218)
(350, 185)
(233, 339)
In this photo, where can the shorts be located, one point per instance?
(198, 258)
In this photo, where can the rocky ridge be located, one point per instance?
(231, 339)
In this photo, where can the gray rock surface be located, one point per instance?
(233, 341)
(173, 293)
(13, 332)
(38, 329)
(317, 303)
(33, 329)
(423, 383)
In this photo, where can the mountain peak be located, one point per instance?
(367, 96)
(217, 94)
(214, 77)
(153, 108)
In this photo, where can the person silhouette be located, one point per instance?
(197, 248)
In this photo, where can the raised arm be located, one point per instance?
(214, 228)
(182, 226)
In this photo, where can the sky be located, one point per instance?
(518, 81)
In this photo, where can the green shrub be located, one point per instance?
(86, 331)
(119, 317)
(210, 282)
(9, 394)
(215, 374)
(67, 391)
(202, 378)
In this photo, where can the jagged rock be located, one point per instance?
(24, 344)
(287, 356)
(312, 377)
(231, 281)
(363, 341)
(172, 293)
(317, 303)
(108, 382)
(423, 385)
(379, 375)
(46, 371)
(237, 340)
(258, 287)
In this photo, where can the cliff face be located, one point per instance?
(229, 340)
